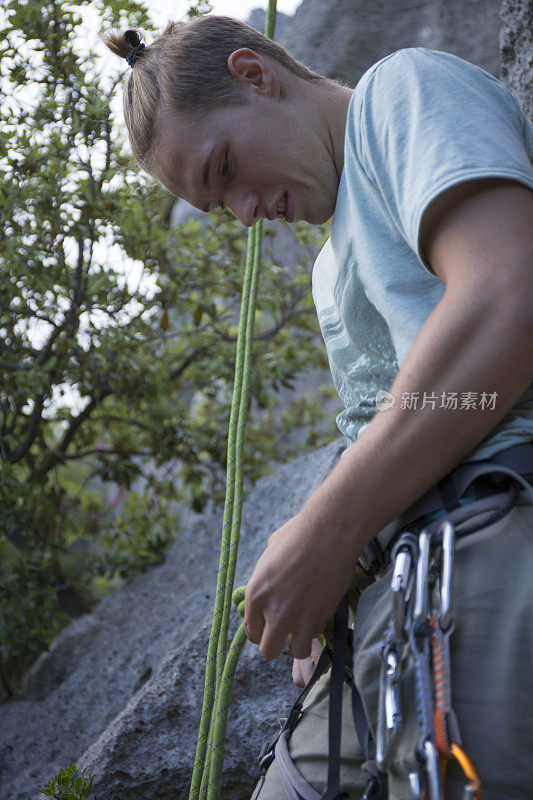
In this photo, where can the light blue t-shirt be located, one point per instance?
(419, 121)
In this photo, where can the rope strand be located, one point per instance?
(221, 665)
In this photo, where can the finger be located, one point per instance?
(301, 644)
(297, 676)
(272, 641)
(254, 622)
(307, 669)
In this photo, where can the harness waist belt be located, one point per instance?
(518, 458)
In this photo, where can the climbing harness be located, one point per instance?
(419, 554)
(221, 664)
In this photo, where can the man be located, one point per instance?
(423, 291)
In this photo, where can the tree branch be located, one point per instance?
(178, 371)
(36, 417)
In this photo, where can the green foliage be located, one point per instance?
(117, 337)
(69, 784)
(199, 9)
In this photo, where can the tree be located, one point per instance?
(117, 334)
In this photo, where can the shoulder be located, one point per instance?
(422, 58)
(414, 83)
(411, 65)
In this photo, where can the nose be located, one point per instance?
(245, 205)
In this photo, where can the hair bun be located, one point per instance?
(132, 38)
(126, 44)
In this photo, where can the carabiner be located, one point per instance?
(389, 711)
(420, 611)
(446, 578)
(472, 790)
(400, 585)
(431, 758)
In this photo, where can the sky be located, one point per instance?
(161, 12)
(231, 8)
(164, 10)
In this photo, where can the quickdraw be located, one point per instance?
(419, 632)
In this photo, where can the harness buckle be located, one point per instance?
(267, 754)
(372, 788)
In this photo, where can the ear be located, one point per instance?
(254, 71)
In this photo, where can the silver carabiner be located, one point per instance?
(420, 611)
(400, 589)
(393, 717)
(389, 711)
(446, 579)
(431, 758)
(414, 784)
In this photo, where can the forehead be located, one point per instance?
(181, 154)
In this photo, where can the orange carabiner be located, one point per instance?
(473, 779)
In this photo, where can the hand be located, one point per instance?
(298, 583)
(303, 668)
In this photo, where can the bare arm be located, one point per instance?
(479, 338)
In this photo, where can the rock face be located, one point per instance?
(343, 38)
(120, 690)
(516, 41)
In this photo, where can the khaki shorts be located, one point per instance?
(491, 670)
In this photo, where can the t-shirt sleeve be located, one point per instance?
(429, 121)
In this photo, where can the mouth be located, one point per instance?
(284, 208)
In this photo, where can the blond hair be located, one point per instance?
(185, 70)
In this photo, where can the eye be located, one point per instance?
(221, 204)
(225, 167)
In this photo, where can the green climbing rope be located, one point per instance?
(213, 648)
(221, 664)
(231, 539)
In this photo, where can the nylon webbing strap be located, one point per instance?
(295, 785)
(340, 648)
(267, 754)
(362, 728)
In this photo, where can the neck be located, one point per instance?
(324, 106)
(335, 102)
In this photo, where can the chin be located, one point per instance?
(319, 216)
(322, 211)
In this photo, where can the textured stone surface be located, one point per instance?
(120, 690)
(343, 38)
(516, 53)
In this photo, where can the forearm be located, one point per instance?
(466, 345)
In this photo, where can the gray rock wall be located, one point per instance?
(343, 38)
(516, 56)
(120, 690)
